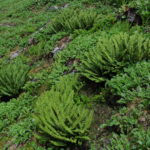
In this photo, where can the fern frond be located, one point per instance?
(113, 54)
(59, 117)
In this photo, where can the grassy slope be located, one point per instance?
(19, 21)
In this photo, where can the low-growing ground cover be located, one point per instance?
(74, 75)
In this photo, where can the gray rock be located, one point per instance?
(61, 45)
(32, 41)
(58, 7)
(16, 53)
(56, 50)
(65, 6)
(53, 8)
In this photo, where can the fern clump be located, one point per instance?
(113, 54)
(133, 84)
(12, 78)
(71, 19)
(61, 121)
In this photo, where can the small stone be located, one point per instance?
(56, 50)
(13, 147)
(32, 41)
(65, 6)
(61, 44)
(72, 61)
(14, 54)
(53, 8)
(142, 119)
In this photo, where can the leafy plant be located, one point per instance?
(141, 139)
(75, 50)
(45, 46)
(119, 142)
(44, 2)
(113, 54)
(124, 121)
(72, 19)
(60, 120)
(115, 2)
(12, 78)
(137, 139)
(22, 131)
(15, 110)
(38, 49)
(133, 84)
(104, 22)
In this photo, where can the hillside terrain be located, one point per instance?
(74, 75)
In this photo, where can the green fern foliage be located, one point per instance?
(71, 19)
(12, 78)
(113, 53)
(133, 84)
(60, 120)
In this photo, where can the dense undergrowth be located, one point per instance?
(75, 74)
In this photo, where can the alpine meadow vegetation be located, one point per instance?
(75, 75)
(133, 83)
(72, 19)
(114, 53)
(61, 121)
(12, 78)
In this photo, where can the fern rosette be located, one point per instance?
(60, 120)
(12, 78)
(113, 54)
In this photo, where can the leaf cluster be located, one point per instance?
(15, 110)
(12, 78)
(61, 121)
(137, 139)
(114, 53)
(73, 19)
(132, 84)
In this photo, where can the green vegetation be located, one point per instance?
(60, 119)
(12, 78)
(75, 75)
(22, 131)
(15, 109)
(70, 20)
(114, 53)
(140, 140)
(133, 84)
